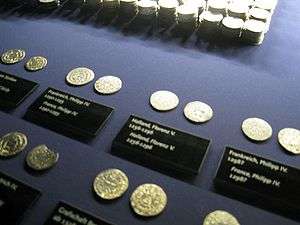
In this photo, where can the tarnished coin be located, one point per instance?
(108, 85)
(198, 112)
(220, 217)
(257, 129)
(164, 100)
(289, 139)
(36, 63)
(148, 200)
(111, 184)
(80, 76)
(12, 143)
(13, 56)
(41, 158)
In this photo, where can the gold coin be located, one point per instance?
(257, 129)
(198, 112)
(164, 100)
(108, 85)
(80, 76)
(36, 63)
(12, 143)
(220, 217)
(111, 184)
(148, 200)
(289, 139)
(41, 158)
(13, 56)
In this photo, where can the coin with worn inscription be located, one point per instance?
(257, 129)
(289, 139)
(36, 63)
(80, 76)
(111, 184)
(164, 100)
(148, 200)
(12, 144)
(198, 112)
(13, 56)
(220, 217)
(41, 158)
(108, 85)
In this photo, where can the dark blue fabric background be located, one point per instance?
(238, 82)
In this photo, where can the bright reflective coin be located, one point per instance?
(220, 217)
(80, 76)
(257, 129)
(36, 63)
(41, 158)
(108, 85)
(164, 100)
(148, 200)
(289, 139)
(198, 112)
(13, 56)
(12, 144)
(111, 184)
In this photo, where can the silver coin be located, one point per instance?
(108, 85)
(147, 7)
(41, 158)
(36, 63)
(187, 13)
(289, 139)
(164, 100)
(13, 56)
(80, 76)
(257, 129)
(220, 217)
(198, 112)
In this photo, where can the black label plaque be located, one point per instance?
(65, 214)
(15, 199)
(252, 177)
(67, 113)
(14, 90)
(159, 146)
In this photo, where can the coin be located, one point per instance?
(217, 6)
(80, 76)
(13, 56)
(198, 112)
(187, 13)
(148, 200)
(257, 129)
(231, 27)
(253, 31)
(220, 217)
(147, 7)
(111, 184)
(36, 63)
(289, 139)
(108, 85)
(164, 100)
(12, 143)
(41, 158)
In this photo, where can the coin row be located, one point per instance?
(259, 130)
(246, 20)
(14, 56)
(255, 129)
(105, 85)
(147, 200)
(39, 158)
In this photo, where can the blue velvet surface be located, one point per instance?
(238, 82)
